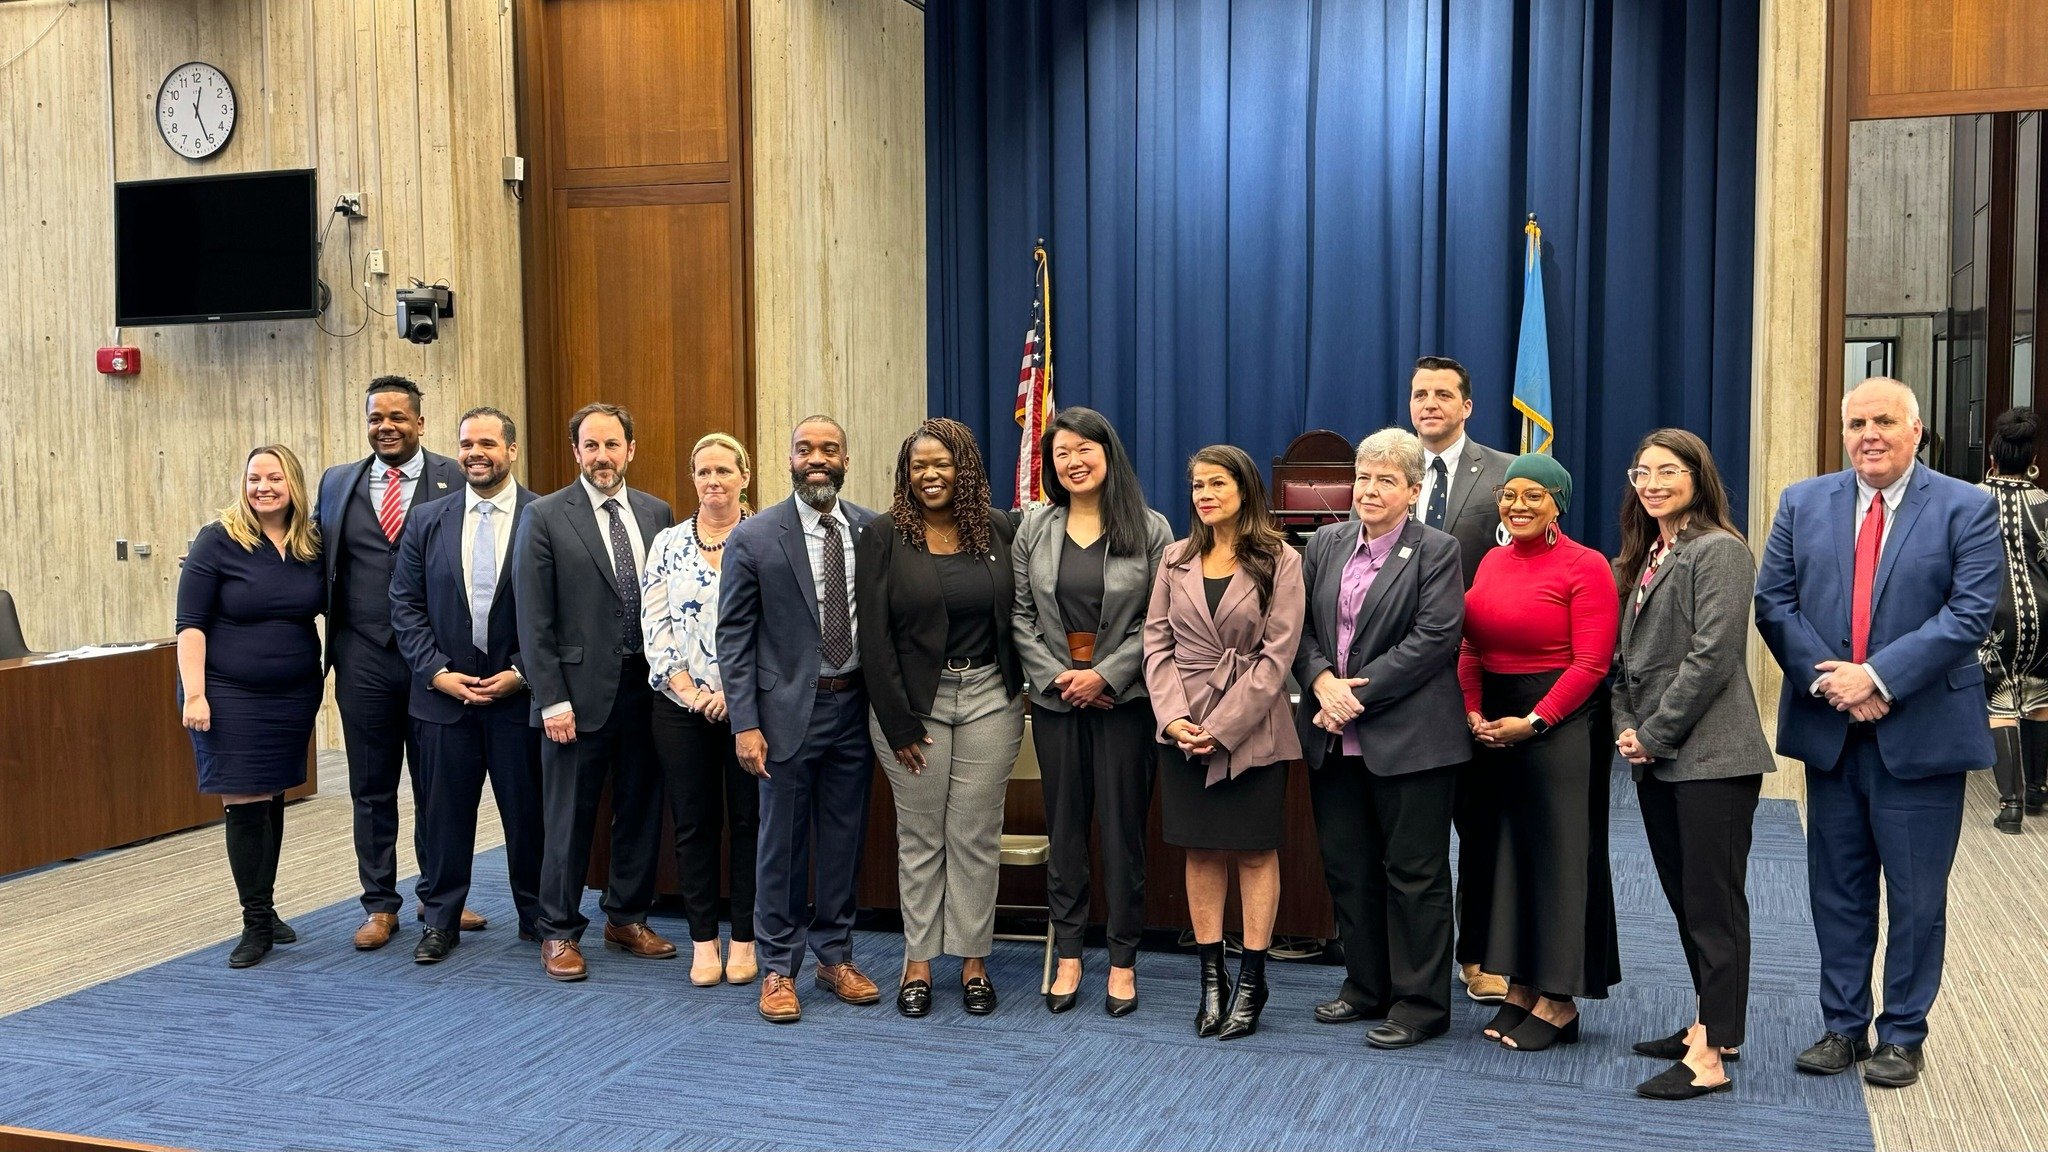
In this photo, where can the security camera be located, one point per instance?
(420, 309)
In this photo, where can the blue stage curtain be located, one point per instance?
(1261, 211)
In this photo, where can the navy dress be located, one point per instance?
(263, 673)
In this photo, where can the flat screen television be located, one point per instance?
(205, 248)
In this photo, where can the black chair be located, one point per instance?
(12, 646)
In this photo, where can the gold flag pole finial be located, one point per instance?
(1044, 263)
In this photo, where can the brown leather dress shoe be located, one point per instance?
(639, 940)
(376, 931)
(471, 921)
(562, 960)
(778, 1000)
(846, 982)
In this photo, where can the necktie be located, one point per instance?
(837, 632)
(629, 578)
(483, 576)
(1439, 494)
(391, 515)
(1869, 543)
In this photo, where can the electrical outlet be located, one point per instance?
(120, 550)
(350, 204)
(375, 265)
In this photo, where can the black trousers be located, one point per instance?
(1475, 813)
(1699, 832)
(1386, 844)
(455, 759)
(1096, 767)
(709, 794)
(573, 778)
(373, 690)
(814, 817)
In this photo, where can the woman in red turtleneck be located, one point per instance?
(1540, 623)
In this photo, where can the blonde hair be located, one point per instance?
(721, 440)
(301, 532)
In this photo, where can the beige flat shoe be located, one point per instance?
(741, 968)
(1483, 987)
(704, 973)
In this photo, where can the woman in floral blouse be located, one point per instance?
(704, 780)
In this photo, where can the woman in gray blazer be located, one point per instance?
(1084, 566)
(1685, 718)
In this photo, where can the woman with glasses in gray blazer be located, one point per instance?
(1084, 568)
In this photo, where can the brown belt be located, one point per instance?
(839, 683)
(1081, 647)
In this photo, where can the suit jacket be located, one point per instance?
(768, 628)
(1472, 515)
(571, 614)
(440, 477)
(1405, 644)
(1042, 632)
(1680, 675)
(904, 628)
(430, 609)
(1227, 673)
(1936, 588)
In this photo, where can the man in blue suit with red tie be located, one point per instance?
(1877, 585)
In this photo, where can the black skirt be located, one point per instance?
(1244, 814)
(257, 741)
(1550, 923)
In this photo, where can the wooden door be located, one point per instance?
(637, 278)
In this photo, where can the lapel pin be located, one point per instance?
(1406, 552)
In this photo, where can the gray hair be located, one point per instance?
(1396, 446)
(1912, 397)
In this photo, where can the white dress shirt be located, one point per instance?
(1451, 456)
(501, 530)
(814, 547)
(604, 526)
(411, 471)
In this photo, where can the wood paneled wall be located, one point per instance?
(1946, 57)
(406, 101)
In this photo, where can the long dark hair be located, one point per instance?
(1259, 539)
(1122, 500)
(1709, 509)
(970, 486)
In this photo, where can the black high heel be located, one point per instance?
(1535, 1034)
(1250, 999)
(1057, 1002)
(1505, 1021)
(1215, 990)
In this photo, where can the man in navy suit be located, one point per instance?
(362, 509)
(1877, 585)
(787, 630)
(452, 611)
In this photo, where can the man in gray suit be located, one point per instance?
(1458, 479)
(577, 562)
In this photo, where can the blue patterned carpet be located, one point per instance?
(322, 1047)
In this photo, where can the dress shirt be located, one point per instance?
(501, 528)
(679, 612)
(411, 470)
(814, 547)
(1451, 456)
(1894, 494)
(604, 526)
(1359, 573)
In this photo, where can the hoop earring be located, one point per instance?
(1500, 535)
(1550, 534)
(2033, 471)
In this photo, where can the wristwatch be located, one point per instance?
(1537, 724)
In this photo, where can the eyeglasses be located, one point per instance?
(1533, 498)
(1640, 476)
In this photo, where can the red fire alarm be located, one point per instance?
(120, 361)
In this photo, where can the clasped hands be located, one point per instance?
(1338, 698)
(1849, 688)
(1190, 736)
(479, 689)
(1084, 688)
(1499, 733)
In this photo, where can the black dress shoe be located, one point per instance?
(978, 996)
(1832, 1055)
(1394, 1034)
(1894, 1066)
(253, 946)
(1673, 1047)
(1118, 1006)
(2010, 817)
(281, 932)
(1675, 1083)
(914, 999)
(434, 947)
(1057, 1002)
(1342, 1011)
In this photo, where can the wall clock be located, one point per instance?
(195, 110)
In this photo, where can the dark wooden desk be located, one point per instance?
(92, 756)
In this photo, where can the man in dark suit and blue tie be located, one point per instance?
(787, 626)
(1877, 585)
(577, 561)
(452, 611)
(362, 509)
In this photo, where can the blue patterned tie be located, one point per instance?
(483, 576)
(1439, 494)
(629, 579)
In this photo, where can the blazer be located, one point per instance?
(439, 478)
(1936, 588)
(570, 611)
(1472, 515)
(1680, 668)
(903, 632)
(1042, 631)
(1227, 673)
(430, 609)
(768, 628)
(1405, 644)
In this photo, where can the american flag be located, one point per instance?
(1034, 387)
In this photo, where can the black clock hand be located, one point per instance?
(197, 115)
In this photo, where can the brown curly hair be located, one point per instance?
(970, 486)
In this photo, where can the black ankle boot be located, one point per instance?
(1215, 990)
(249, 839)
(2005, 769)
(1250, 999)
(280, 932)
(2034, 758)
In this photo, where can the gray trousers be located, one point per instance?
(949, 818)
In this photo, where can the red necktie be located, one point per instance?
(391, 517)
(1869, 543)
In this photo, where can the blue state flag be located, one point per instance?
(1532, 355)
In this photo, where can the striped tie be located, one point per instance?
(391, 516)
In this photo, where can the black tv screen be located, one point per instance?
(236, 247)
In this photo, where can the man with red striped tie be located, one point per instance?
(363, 507)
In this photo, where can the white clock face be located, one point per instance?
(195, 110)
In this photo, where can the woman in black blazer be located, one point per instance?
(934, 585)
